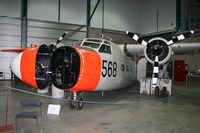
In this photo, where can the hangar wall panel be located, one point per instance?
(118, 15)
(73, 11)
(166, 15)
(43, 10)
(44, 32)
(157, 16)
(11, 8)
(10, 37)
(190, 16)
(135, 15)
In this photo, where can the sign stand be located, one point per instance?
(6, 126)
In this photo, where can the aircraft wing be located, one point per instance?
(183, 48)
(177, 48)
(17, 50)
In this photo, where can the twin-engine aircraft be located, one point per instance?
(94, 64)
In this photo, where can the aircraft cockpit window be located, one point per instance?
(105, 49)
(94, 40)
(91, 44)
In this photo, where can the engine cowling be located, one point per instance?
(158, 47)
(75, 68)
(31, 66)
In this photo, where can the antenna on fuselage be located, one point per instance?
(106, 37)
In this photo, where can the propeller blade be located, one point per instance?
(155, 72)
(136, 38)
(180, 37)
(61, 38)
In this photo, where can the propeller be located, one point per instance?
(180, 37)
(136, 38)
(53, 47)
(158, 51)
(155, 72)
(61, 38)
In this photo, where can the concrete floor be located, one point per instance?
(123, 111)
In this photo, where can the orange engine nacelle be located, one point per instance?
(75, 68)
(31, 66)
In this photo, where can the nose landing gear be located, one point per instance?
(76, 101)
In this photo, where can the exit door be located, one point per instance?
(179, 71)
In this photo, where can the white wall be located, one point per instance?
(10, 37)
(11, 8)
(73, 11)
(134, 15)
(190, 10)
(166, 16)
(118, 15)
(43, 32)
(43, 10)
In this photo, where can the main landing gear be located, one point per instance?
(76, 101)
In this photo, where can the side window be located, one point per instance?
(105, 49)
(122, 67)
(127, 68)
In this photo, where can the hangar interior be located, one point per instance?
(24, 23)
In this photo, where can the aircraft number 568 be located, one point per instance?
(109, 68)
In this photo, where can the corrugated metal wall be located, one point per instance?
(45, 32)
(73, 11)
(139, 16)
(164, 10)
(10, 37)
(118, 15)
(11, 8)
(134, 15)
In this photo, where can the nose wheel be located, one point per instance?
(76, 101)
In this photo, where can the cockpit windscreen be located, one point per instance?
(91, 44)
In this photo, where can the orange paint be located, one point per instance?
(90, 70)
(27, 67)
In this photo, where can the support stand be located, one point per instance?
(6, 126)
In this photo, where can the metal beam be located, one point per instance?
(102, 29)
(24, 23)
(178, 15)
(58, 10)
(94, 9)
(88, 16)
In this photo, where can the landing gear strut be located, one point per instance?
(76, 101)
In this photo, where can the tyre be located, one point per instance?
(72, 104)
(80, 103)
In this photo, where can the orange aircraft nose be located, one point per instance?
(31, 66)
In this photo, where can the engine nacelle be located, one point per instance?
(158, 47)
(75, 68)
(32, 65)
